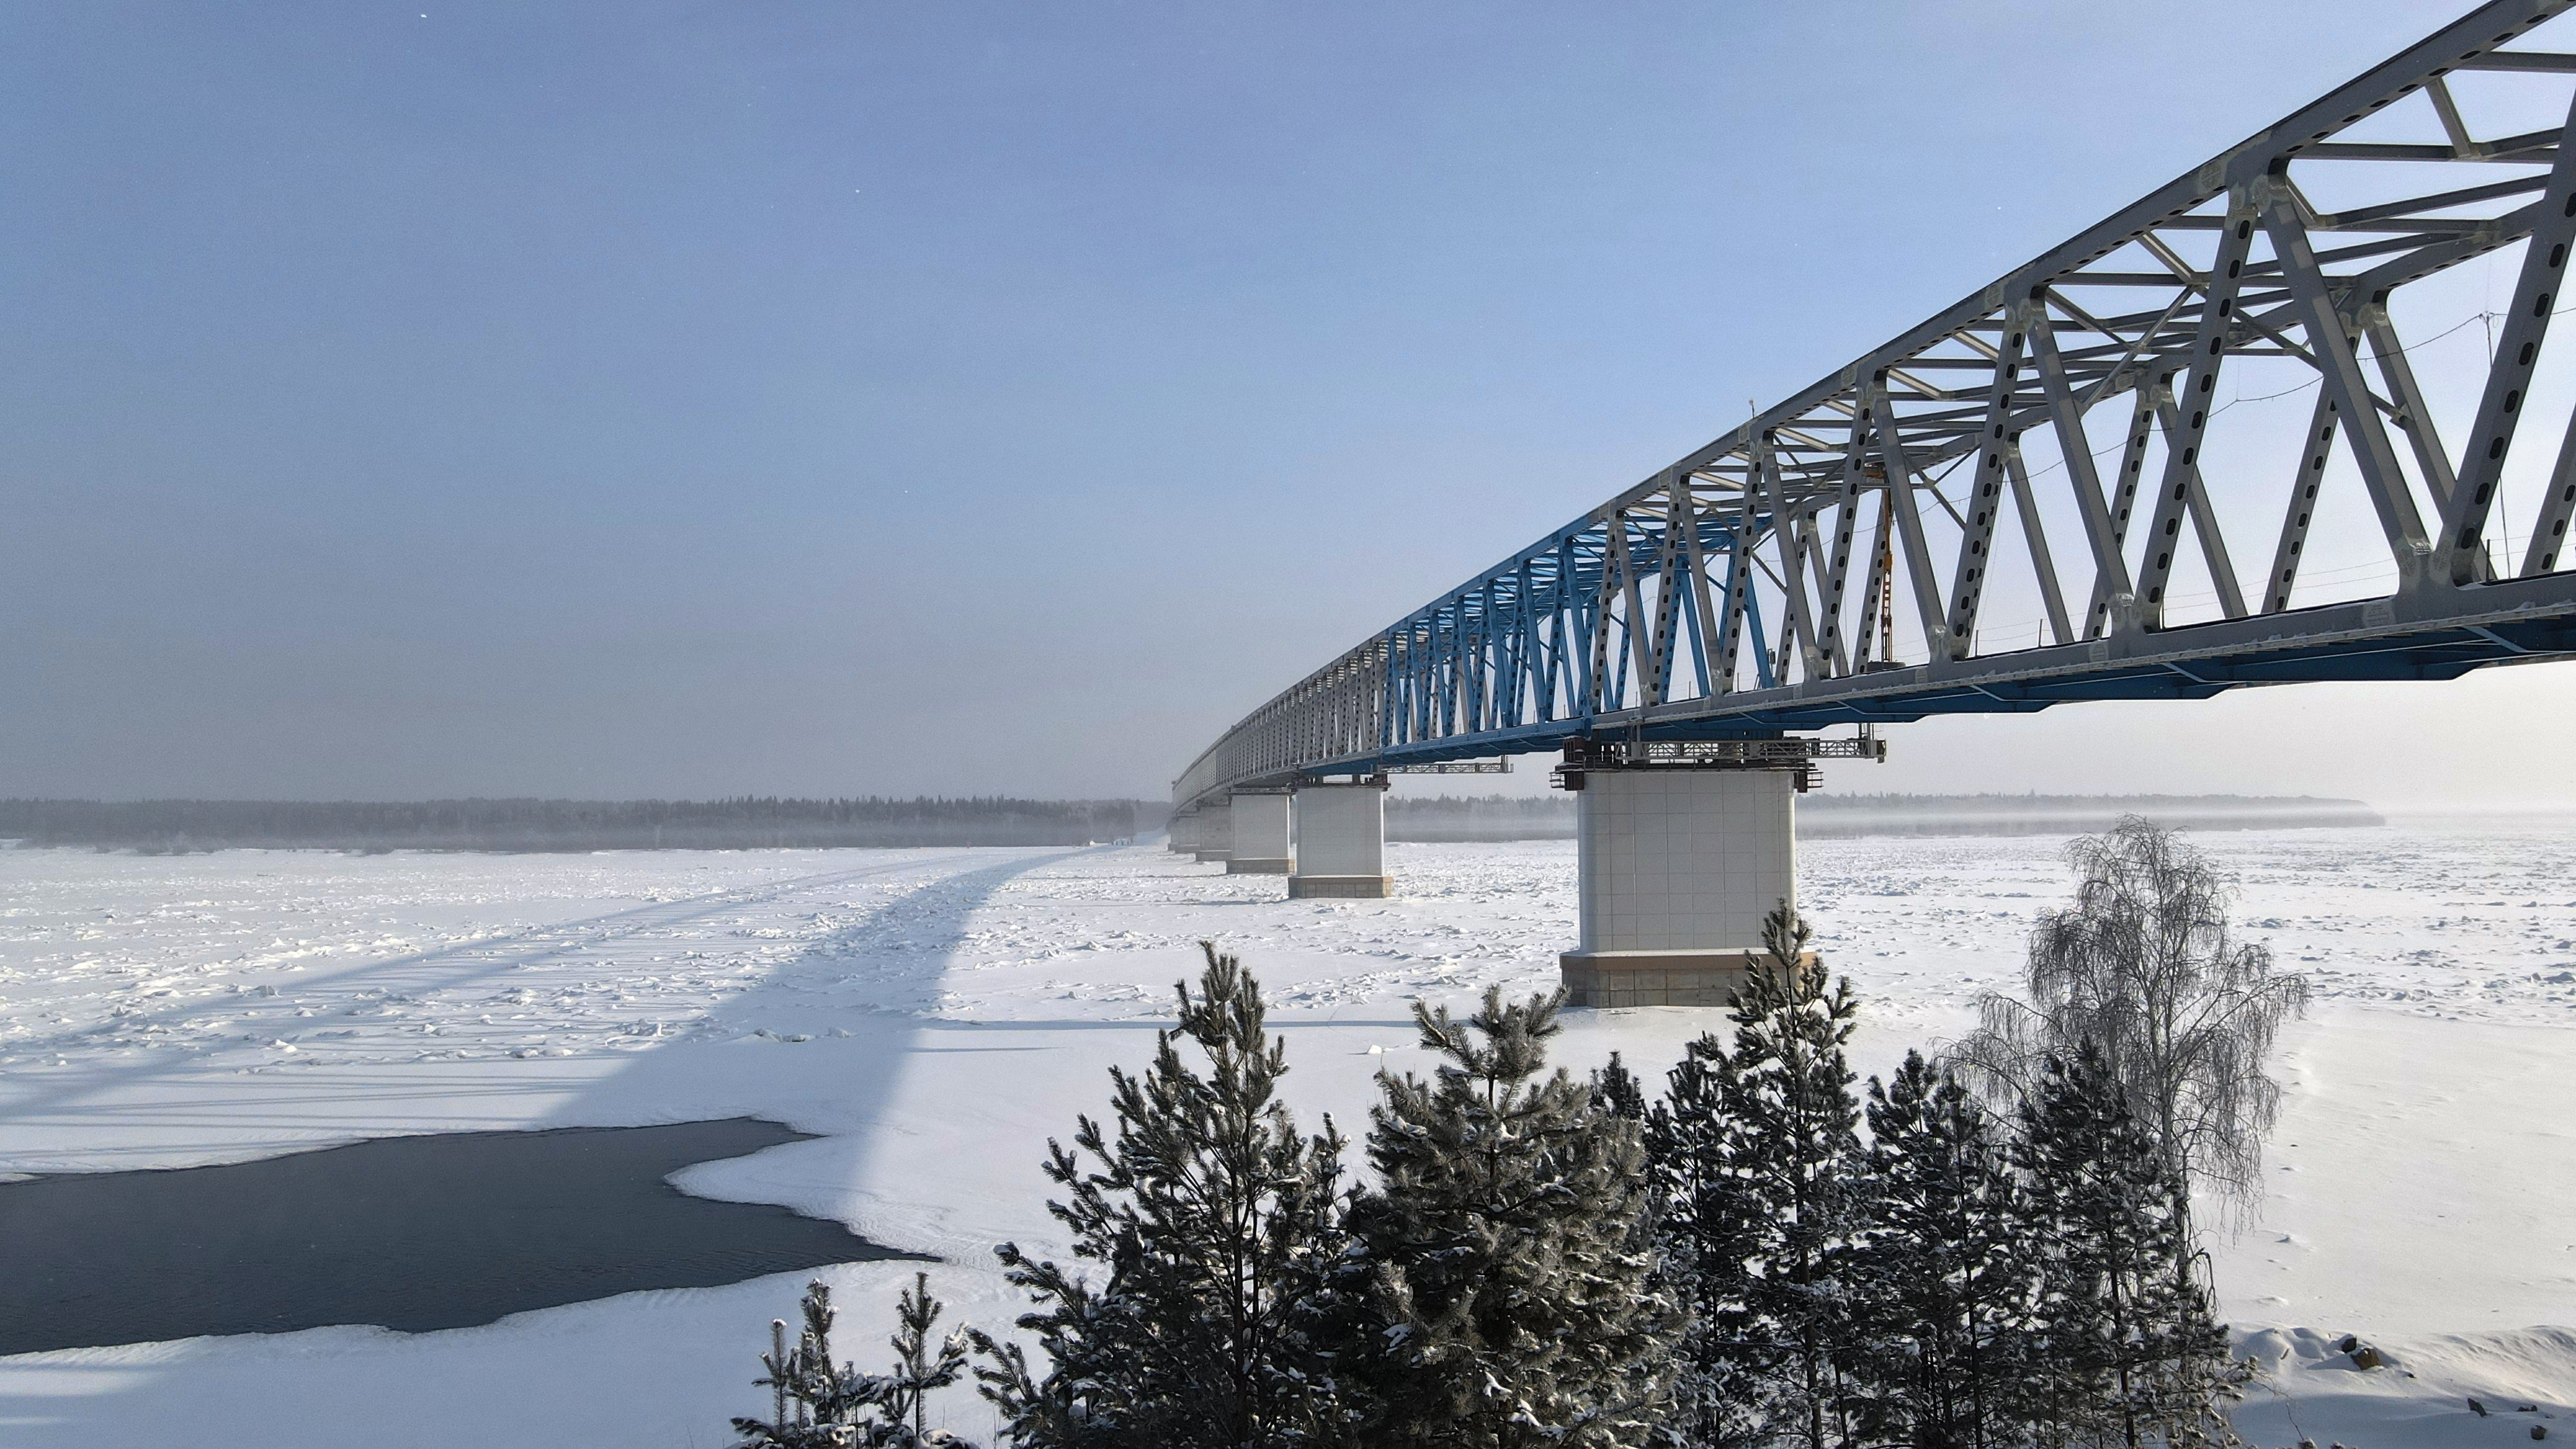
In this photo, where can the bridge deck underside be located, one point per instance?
(2431, 652)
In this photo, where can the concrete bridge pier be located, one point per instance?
(1213, 840)
(1177, 837)
(1679, 867)
(1260, 821)
(1341, 841)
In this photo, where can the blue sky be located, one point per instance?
(657, 399)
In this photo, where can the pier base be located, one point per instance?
(1679, 868)
(1341, 842)
(1261, 844)
(1213, 841)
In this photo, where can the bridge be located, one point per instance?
(2261, 426)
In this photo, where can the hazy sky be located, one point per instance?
(657, 399)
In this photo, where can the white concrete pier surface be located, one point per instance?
(1679, 866)
(1261, 846)
(1341, 842)
(1213, 840)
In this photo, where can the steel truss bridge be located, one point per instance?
(2048, 492)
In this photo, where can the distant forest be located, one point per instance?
(1551, 817)
(755, 822)
(179, 826)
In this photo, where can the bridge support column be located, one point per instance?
(1214, 838)
(1679, 868)
(1177, 835)
(1260, 833)
(1341, 842)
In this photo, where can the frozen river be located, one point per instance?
(423, 1231)
(933, 1016)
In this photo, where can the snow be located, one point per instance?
(936, 1015)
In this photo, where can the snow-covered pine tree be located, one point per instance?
(1941, 1279)
(1618, 1091)
(1504, 1292)
(1702, 1238)
(823, 1405)
(922, 1366)
(811, 1399)
(2122, 1352)
(1795, 1147)
(1217, 1224)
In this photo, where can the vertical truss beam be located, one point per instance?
(1785, 533)
(2413, 415)
(2332, 345)
(2124, 494)
(1632, 619)
(1986, 485)
(2110, 570)
(2204, 519)
(1875, 587)
(1937, 642)
(1739, 595)
(2549, 530)
(1846, 520)
(1703, 623)
(2026, 504)
(1670, 589)
(2535, 293)
(1614, 551)
(2199, 399)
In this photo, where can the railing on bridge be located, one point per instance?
(2262, 425)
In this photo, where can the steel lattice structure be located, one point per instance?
(2056, 439)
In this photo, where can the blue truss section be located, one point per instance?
(2542, 631)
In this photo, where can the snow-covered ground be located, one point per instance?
(937, 1014)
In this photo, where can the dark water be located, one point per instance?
(413, 1233)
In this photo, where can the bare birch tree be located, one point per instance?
(2143, 966)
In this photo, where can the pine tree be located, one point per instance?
(1942, 1276)
(821, 1405)
(1618, 1091)
(1793, 1134)
(1702, 1239)
(920, 1368)
(1217, 1224)
(2124, 1352)
(811, 1400)
(1504, 1292)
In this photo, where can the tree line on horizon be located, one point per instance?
(1994, 1248)
(750, 821)
(1459, 818)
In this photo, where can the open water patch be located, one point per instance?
(412, 1233)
